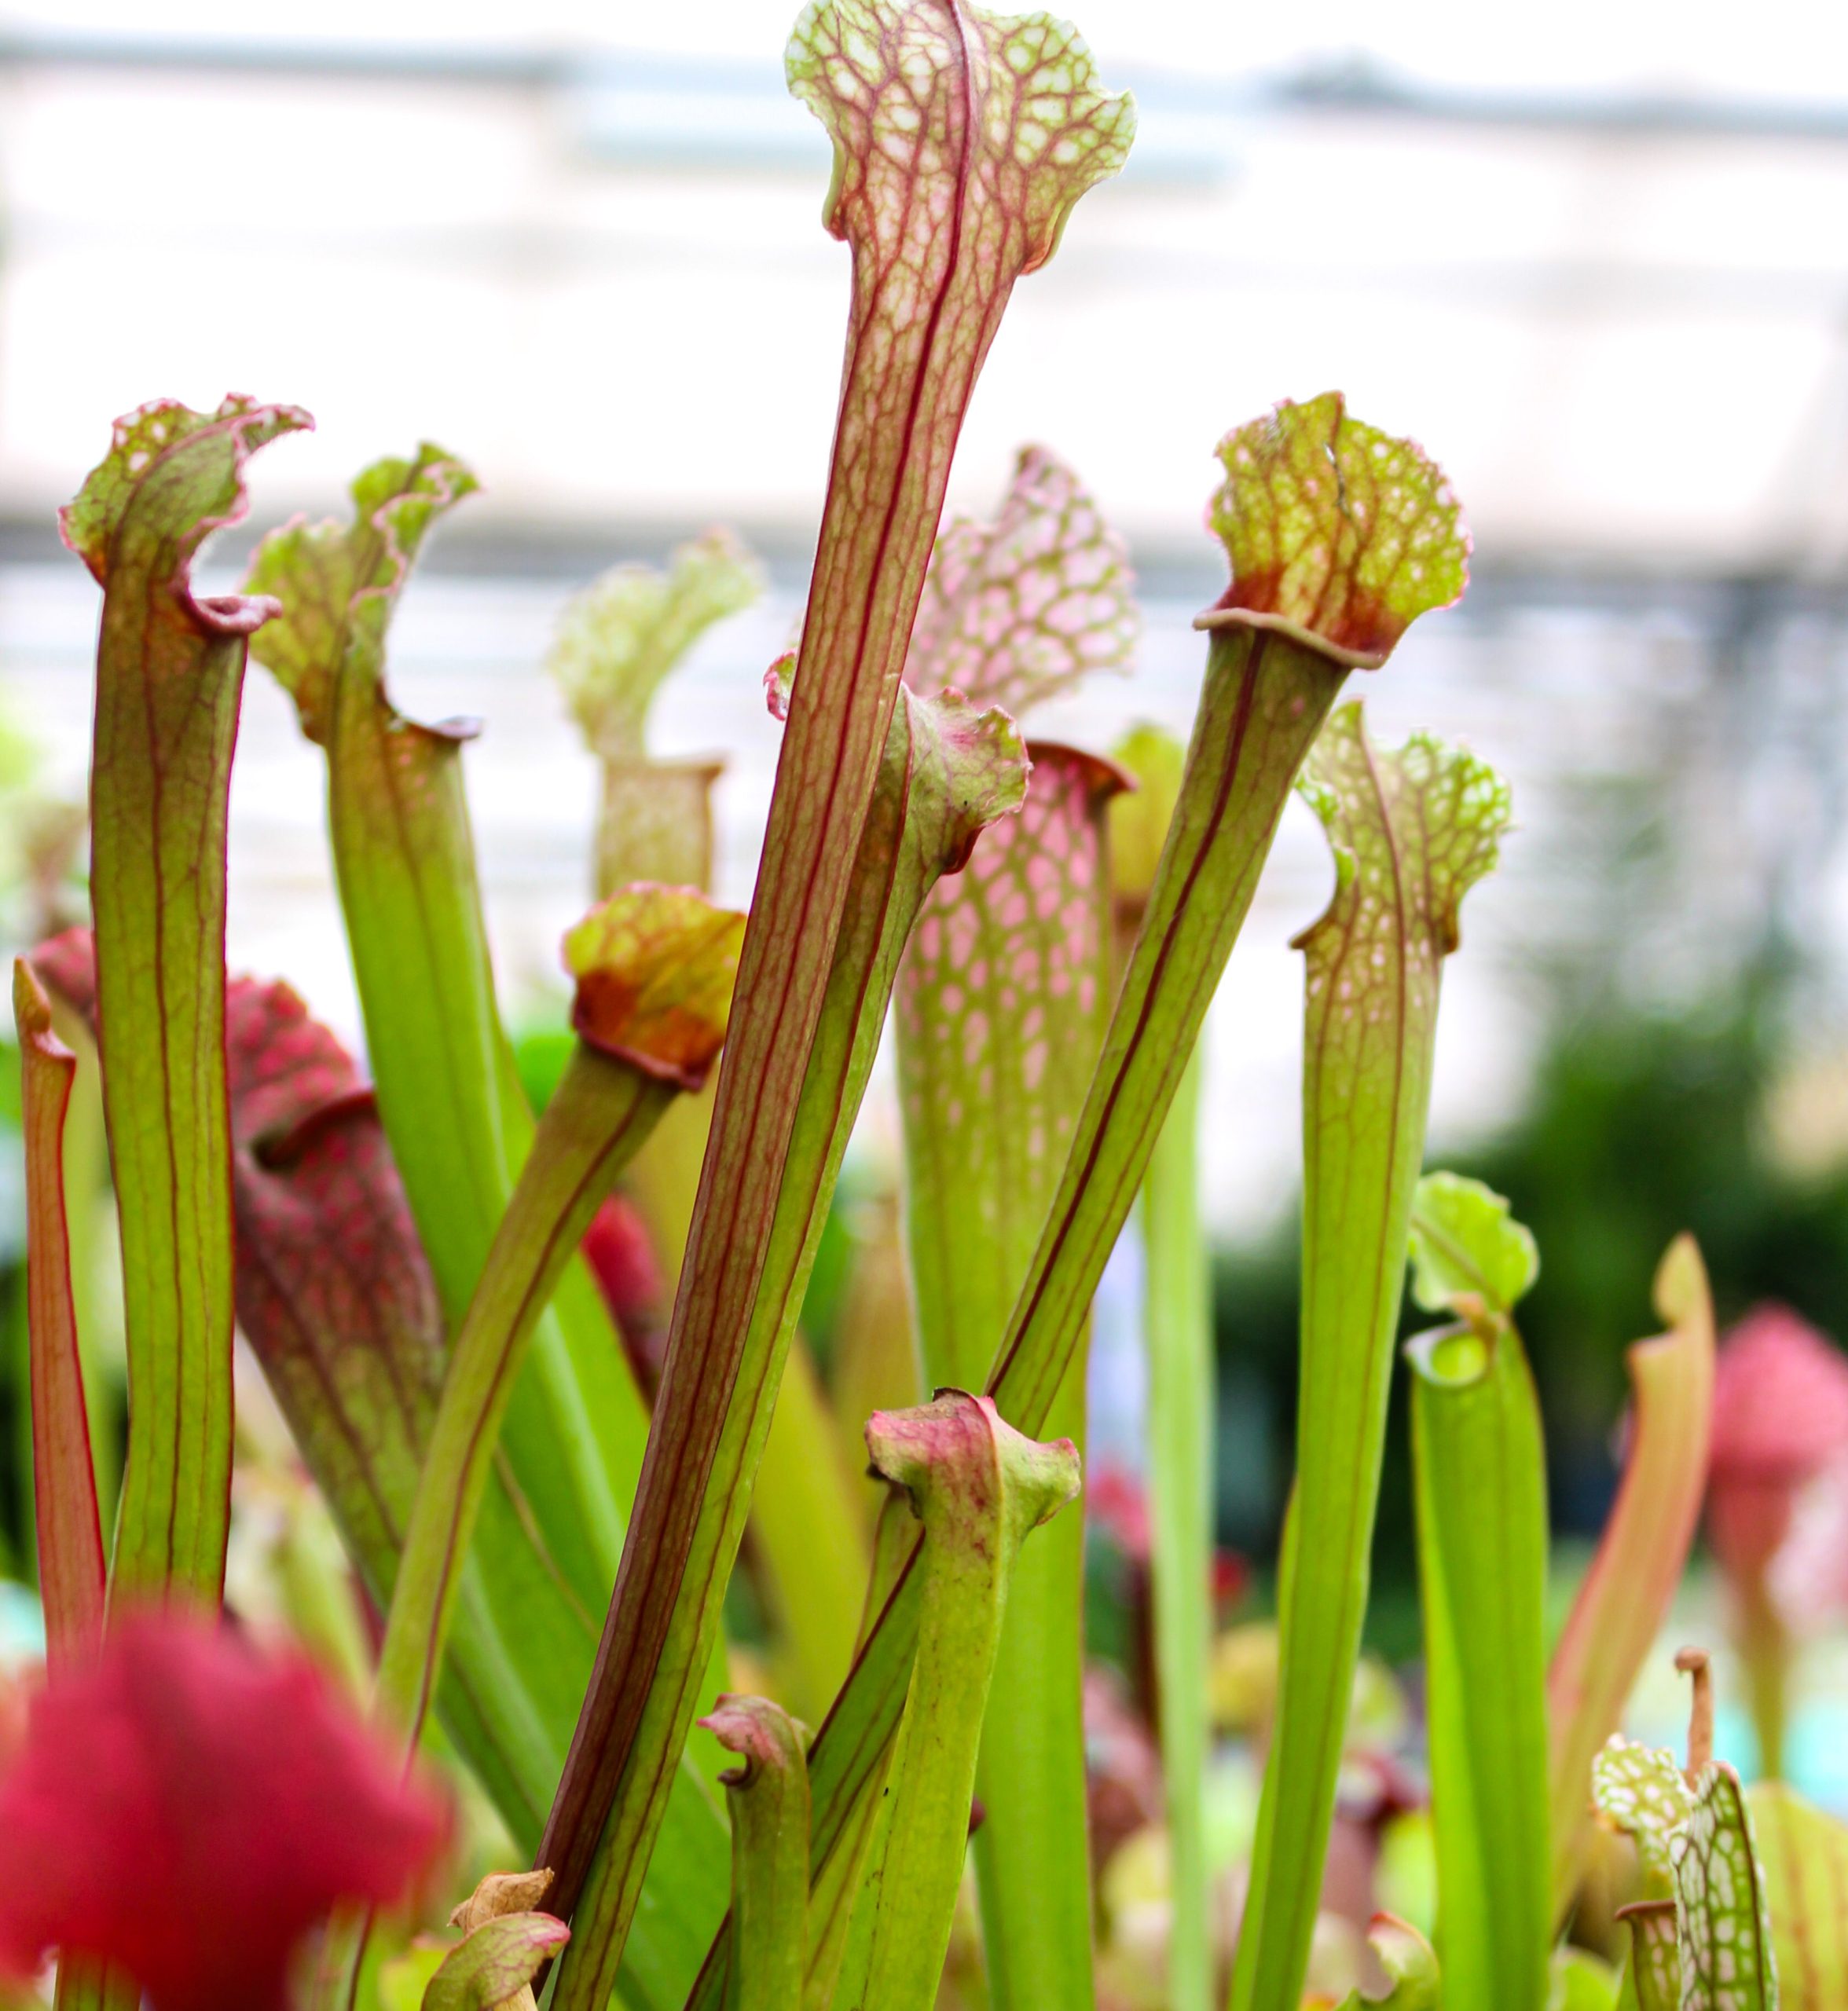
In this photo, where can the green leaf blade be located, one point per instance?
(1266, 697)
(1178, 1342)
(961, 142)
(170, 674)
(1178, 1334)
(654, 967)
(1480, 1484)
(1412, 832)
(1001, 1010)
(72, 1576)
(1464, 1242)
(978, 1486)
(768, 1793)
(947, 771)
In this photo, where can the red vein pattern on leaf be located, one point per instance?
(961, 143)
(1336, 528)
(144, 453)
(1017, 611)
(72, 1576)
(1411, 829)
(1424, 819)
(170, 672)
(188, 1807)
(1011, 945)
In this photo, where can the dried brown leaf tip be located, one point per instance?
(654, 968)
(506, 1942)
(1336, 531)
(31, 1012)
(501, 1893)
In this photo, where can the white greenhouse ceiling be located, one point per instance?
(1603, 274)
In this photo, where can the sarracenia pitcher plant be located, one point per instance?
(540, 1357)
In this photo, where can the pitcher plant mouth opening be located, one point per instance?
(665, 1539)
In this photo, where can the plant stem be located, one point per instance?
(1412, 831)
(1177, 1333)
(768, 1796)
(1266, 697)
(599, 1113)
(1478, 1466)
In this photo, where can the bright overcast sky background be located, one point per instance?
(1627, 347)
(1787, 47)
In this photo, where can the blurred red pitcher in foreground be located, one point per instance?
(189, 1807)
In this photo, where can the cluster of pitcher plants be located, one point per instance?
(543, 1364)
